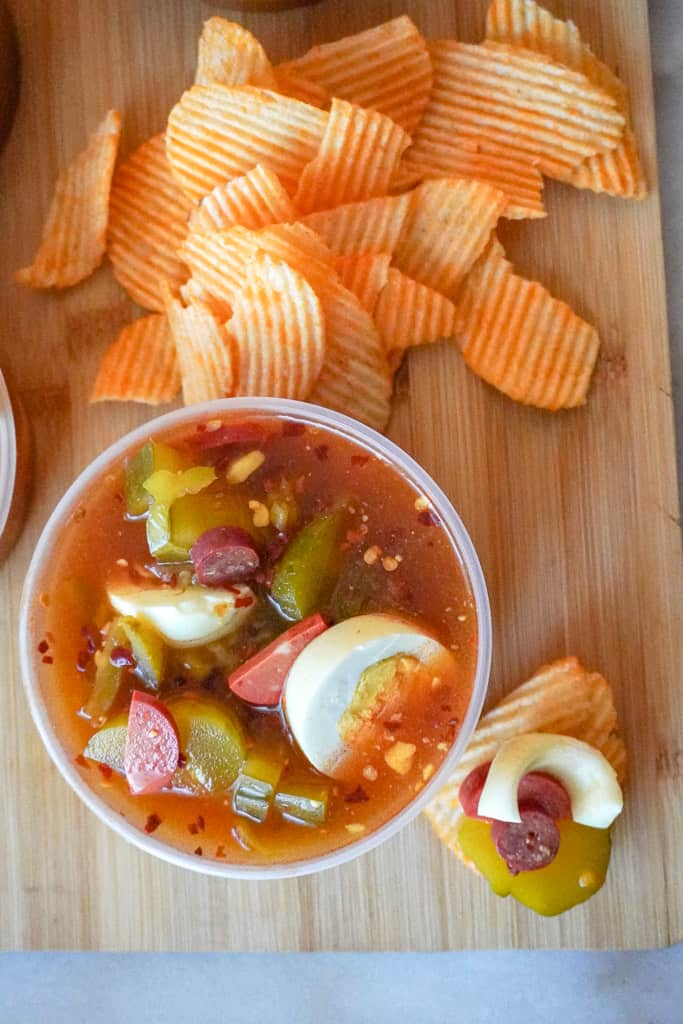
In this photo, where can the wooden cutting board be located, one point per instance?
(575, 517)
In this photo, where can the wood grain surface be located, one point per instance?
(575, 517)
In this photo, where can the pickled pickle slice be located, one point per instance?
(310, 567)
(577, 872)
(304, 803)
(194, 514)
(108, 744)
(152, 456)
(165, 488)
(148, 650)
(108, 677)
(211, 744)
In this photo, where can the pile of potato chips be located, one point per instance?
(298, 227)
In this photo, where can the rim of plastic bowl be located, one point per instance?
(379, 446)
(8, 455)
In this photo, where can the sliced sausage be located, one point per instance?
(260, 679)
(471, 787)
(544, 792)
(529, 844)
(152, 745)
(231, 433)
(224, 554)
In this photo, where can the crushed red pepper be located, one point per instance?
(152, 823)
(43, 647)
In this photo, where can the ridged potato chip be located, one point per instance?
(448, 225)
(371, 226)
(253, 200)
(562, 698)
(75, 232)
(231, 55)
(207, 354)
(148, 214)
(518, 338)
(517, 103)
(386, 68)
(358, 156)
(439, 155)
(141, 365)
(302, 89)
(409, 313)
(525, 23)
(365, 274)
(355, 378)
(216, 132)
(218, 259)
(279, 331)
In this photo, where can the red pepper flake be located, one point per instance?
(47, 660)
(360, 460)
(322, 452)
(43, 647)
(121, 657)
(199, 851)
(104, 769)
(192, 829)
(152, 823)
(356, 796)
(91, 637)
(220, 851)
(244, 602)
(81, 761)
(200, 822)
(428, 517)
(201, 427)
(182, 760)
(290, 428)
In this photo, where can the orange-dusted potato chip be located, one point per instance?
(358, 155)
(526, 23)
(302, 89)
(562, 698)
(216, 132)
(409, 313)
(279, 331)
(141, 365)
(517, 103)
(206, 352)
(448, 225)
(253, 200)
(516, 336)
(355, 378)
(618, 173)
(371, 226)
(365, 274)
(386, 68)
(75, 233)
(440, 156)
(148, 214)
(230, 55)
(218, 259)
(191, 291)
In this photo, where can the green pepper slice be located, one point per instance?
(304, 803)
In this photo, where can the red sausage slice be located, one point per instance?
(224, 554)
(528, 845)
(543, 792)
(152, 746)
(231, 433)
(260, 680)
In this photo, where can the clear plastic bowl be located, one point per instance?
(36, 679)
